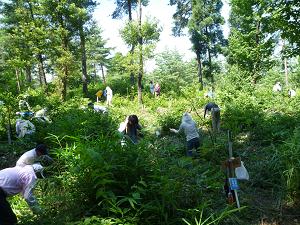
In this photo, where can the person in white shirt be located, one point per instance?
(97, 108)
(34, 155)
(24, 127)
(291, 93)
(17, 180)
(277, 87)
(42, 116)
(189, 127)
(109, 96)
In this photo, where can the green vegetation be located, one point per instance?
(96, 180)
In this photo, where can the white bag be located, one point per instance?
(241, 172)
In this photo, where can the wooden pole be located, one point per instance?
(231, 169)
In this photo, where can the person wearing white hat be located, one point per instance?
(18, 180)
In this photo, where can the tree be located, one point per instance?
(28, 29)
(124, 7)
(97, 53)
(250, 42)
(173, 71)
(144, 35)
(286, 18)
(203, 20)
(59, 14)
(81, 14)
(19, 51)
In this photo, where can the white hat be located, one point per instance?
(37, 167)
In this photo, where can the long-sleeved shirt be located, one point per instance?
(24, 127)
(21, 180)
(209, 106)
(99, 108)
(190, 129)
(28, 158)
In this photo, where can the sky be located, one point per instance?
(156, 8)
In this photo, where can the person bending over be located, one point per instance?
(40, 152)
(215, 115)
(189, 127)
(130, 127)
(17, 180)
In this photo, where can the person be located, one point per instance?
(130, 128)
(292, 93)
(215, 115)
(209, 94)
(97, 108)
(109, 96)
(277, 87)
(99, 95)
(157, 90)
(151, 87)
(24, 127)
(189, 127)
(40, 152)
(41, 115)
(17, 180)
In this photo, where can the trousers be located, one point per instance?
(7, 216)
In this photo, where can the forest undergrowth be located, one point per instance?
(95, 180)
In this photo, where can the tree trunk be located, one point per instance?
(210, 68)
(285, 68)
(28, 74)
(209, 59)
(64, 85)
(83, 62)
(95, 72)
(65, 71)
(132, 47)
(200, 75)
(102, 71)
(140, 77)
(257, 39)
(42, 74)
(129, 10)
(18, 80)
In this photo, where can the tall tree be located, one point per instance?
(203, 20)
(59, 14)
(285, 17)
(251, 43)
(81, 11)
(16, 23)
(144, 35)
(125, 7)
(97, 52)
(25, 22)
